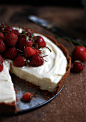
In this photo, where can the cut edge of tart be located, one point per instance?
(11, 107)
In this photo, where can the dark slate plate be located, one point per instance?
(37, 101)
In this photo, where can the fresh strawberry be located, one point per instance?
(11, 38)
(27, 97)
(77, 66)
(24, 41)
(40, 41)
(11, 53)
(29, 52)
(2, 26)
(2, 46)
(1, 67)
(1, 63)
(8, 29)
(36, 60)
(28, 42)
(79, 53)
(16, 32)
(21, 41)
(1, 36)
(37, 51)
(20, 61)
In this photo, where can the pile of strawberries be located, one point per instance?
(20, 47)
(24, 47)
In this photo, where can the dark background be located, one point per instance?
(70, 3)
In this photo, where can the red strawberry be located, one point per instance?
(79, 53)
(1, 67)
(16, 32)
(8, 29)
(77, 66)
(36, 60)
(2, 46)
(11, 38)
(20, 61)
(29, 52)
(1, 63)
(2, 26)
(11, 53)
(1, 35)
(40, 41)
(37, 51)
(27, 97)
(24, 41)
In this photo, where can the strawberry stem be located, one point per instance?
(72, 41)
(27, 37)
(46, 47)
(20, 50)
(3, 25)
(44, 55)
(69, 41)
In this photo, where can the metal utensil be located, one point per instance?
(54, 29)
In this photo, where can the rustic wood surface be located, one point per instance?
(70, 104)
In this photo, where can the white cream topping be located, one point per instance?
(47, 76)
(7, 93)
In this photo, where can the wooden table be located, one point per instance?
(70, 104)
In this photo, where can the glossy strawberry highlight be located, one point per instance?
(20, 61)
(77, 66)
(11, 38)
(27, 97)
(40, 41)
(79, 53)
(29, 52)
(36, 60)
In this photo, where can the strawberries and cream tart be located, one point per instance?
(33, 57)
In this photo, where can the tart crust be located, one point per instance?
(7, 107)
(11, 107)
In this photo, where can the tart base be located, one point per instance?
(8, 107)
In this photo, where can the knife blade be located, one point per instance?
(54, 29)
